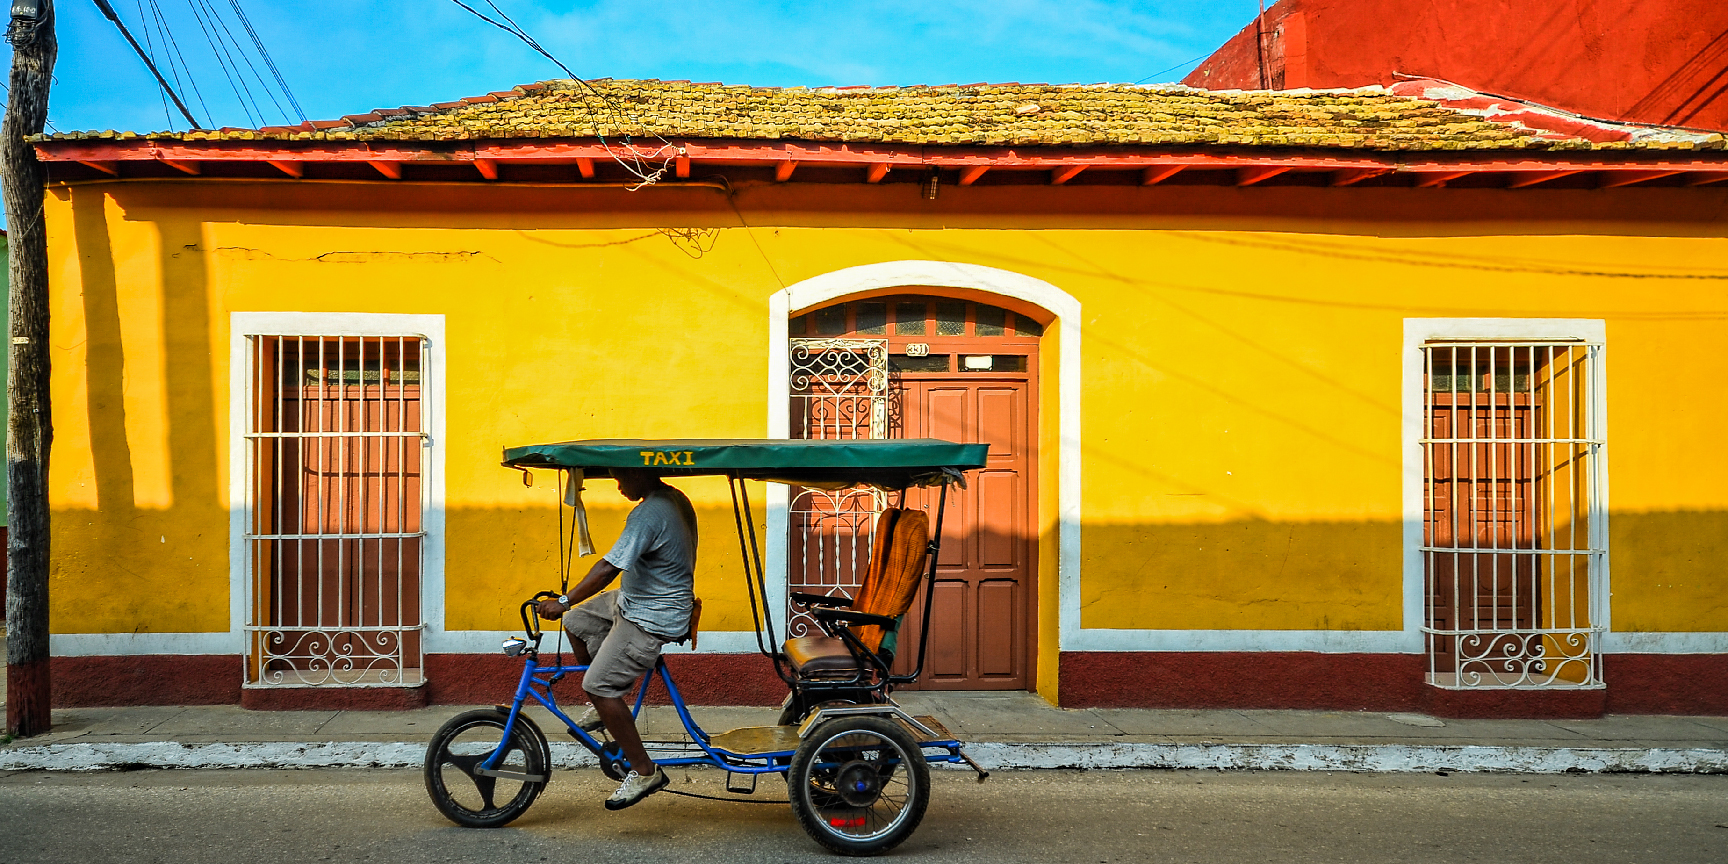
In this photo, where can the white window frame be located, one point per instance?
(1422, 331)
(429, 328)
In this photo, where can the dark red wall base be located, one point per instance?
(1695, 684)
(147, 679)
(333, 698)
(451, 679)
(1231, 679)
(703, 679)
(1637, 684)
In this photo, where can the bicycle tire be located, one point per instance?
(859, 785)
(461, 744)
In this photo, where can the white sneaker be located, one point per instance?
(636, 787)
(590, 721)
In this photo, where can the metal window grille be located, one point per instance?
(839, 390)
(1515, 538)
(336, 456)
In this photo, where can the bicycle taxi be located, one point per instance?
(856, 763)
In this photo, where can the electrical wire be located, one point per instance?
(168, 39)
(1173, 68)
(635, 161)
(264, 53)
(150, 51)
(235, 82)
(240, 50)
(108, 11)
(8, 92)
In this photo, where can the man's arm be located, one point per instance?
(599, 576)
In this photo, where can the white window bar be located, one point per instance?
(1515, 539)
(336, 457)
(839, 390)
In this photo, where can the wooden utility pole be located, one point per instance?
(29, 430)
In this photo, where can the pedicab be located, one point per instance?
(855, 762)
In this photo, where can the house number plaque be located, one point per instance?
(918, 349)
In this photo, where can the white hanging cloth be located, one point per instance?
(573, 498)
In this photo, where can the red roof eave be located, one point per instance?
(1157, 161)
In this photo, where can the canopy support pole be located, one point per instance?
(755, 582)
(935, 552)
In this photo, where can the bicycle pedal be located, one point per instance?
(737, 787)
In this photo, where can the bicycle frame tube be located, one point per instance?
(766, 764)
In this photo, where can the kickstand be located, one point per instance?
(982, 774)
(738, 788)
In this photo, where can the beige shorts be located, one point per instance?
(622, 652)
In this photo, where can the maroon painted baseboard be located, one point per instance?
(1240, 679)
(451, 679)
(1637, 684)
(147, 679)
(1694, 684)
(703, 679)
(333, 698)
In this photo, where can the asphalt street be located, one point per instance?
(257, 817)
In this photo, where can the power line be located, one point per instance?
(235, 82)
(636, 164)
(168, 39)
(150, 48)
(114, 17)
(1173, 68)
(259, 43)
(239, 49)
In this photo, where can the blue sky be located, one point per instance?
(349, 56)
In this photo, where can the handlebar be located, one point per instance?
(530, 619)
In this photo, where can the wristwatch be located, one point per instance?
(565, 599)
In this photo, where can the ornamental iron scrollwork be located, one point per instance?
(840, 390)
(355, 657)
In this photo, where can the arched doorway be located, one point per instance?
(913, 365)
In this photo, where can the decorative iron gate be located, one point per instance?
(1515, 540)
(839, 390)
(336, 453)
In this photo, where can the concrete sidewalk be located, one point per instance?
(1002, 730)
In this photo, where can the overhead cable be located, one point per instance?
(262, 52)
(240, 50)
(169, 40)
(108, 11)
(639, 164)
(150, 49)
(236, 81)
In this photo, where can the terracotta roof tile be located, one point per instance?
(1370, 118)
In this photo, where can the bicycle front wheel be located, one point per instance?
(492, 799)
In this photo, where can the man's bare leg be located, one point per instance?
(616, 715)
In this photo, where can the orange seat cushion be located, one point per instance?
(820, 655)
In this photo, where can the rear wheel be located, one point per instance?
(859, 785)
(455, 757)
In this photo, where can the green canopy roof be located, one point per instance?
(894, 463)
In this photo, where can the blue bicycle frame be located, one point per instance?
(537, 682)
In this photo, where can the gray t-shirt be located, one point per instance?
(657, 553)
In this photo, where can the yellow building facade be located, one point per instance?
(1231, 417)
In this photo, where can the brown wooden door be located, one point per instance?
(979, 621)
(1480, 498)
(340, 506)
(965, 371)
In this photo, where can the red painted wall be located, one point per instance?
(1650, 61)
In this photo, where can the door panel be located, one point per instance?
(1480, 498)
(978, 625)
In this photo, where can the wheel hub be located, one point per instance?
(858, 784)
